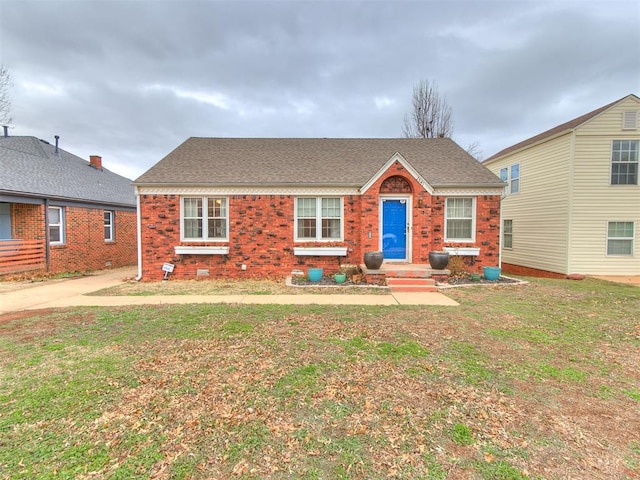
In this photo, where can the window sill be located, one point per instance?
(187, 250)
(320, 251)
(466, 251)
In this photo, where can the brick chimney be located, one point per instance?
(95, 161)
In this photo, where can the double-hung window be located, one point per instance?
(459, 219)
(56, 225)
(108, 226)
(318, 218)
(624, 162)
(620, 238)
(507, 233)
(511, 175)
(205, 218)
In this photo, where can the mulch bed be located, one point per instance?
(328, 281)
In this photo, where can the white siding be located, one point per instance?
(596, 202)
(540, 211)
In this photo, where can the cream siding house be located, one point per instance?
(572, 204)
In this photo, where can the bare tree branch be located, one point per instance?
(5, 100)
(431, 116)
(475, 151)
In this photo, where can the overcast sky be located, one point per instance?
(131, 80)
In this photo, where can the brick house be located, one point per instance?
(60, 213)
(243, 208)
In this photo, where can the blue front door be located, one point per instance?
(394, 229)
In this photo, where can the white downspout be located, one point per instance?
(139, 235)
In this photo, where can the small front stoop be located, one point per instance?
(397, 284)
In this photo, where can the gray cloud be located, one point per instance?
(130, 80)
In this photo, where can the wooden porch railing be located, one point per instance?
(21, 255)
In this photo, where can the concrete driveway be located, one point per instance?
(628, 279)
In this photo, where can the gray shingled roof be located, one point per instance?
(312, 162)
(564, 127)
(30, 166)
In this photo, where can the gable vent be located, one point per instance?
(629, 120)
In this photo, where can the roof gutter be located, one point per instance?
(45, 197)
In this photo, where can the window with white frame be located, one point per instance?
(318, 218)
(511, 175)
(205, 218)
(507, 233)
(459, 219)
(624, 162)
(620, 238)
(56, 225)
(515, 178)
(504, 176)
(108, 226)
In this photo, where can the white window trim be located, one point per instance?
(205, 220)
(63, 236)
(632, 239)
(318, 238)
(611, 162)
(473, 222)
(511, 179)
(508, 188)
(504, 232)
(111, 226)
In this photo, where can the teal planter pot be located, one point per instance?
(340, 277)
(491, 273)
(314, 274)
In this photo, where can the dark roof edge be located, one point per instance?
(303, 185)
(85, 201)
(555, 131)
(244, 184)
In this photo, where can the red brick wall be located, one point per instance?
(27, 221)
(529, 272)
(85, 247)
(261, 234)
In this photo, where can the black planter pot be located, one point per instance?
(373, 260)
(438, 260)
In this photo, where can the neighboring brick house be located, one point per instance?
(572, 204)
(60, 213)
(242, 208)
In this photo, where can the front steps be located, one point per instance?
(397, 284)
(405, 277)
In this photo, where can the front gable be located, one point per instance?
(397, 158)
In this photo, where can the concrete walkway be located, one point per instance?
(73, 292)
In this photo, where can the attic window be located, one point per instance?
(630, 120)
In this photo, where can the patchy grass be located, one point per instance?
(232, 287)
(537, 381)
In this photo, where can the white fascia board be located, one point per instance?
(256, 190)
